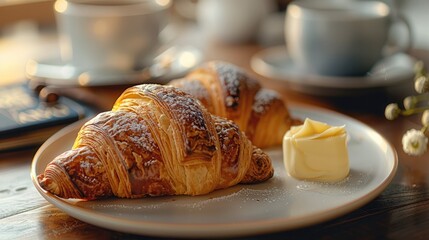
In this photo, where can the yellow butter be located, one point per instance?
(316, 151)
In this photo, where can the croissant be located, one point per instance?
(157, 140)
(228, 91)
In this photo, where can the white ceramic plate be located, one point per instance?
(275, 64)
(281, 203)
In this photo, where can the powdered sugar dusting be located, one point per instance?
(352, 183)
(263, 99)
(193, 87)
(128, 128)
(230, 76)
(185, 109)
(239, 196)
(189, 114)
(244, 195)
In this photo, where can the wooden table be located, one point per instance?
(401, 211)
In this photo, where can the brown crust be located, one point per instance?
(230, 142)
(229, 91)
(260, 168)
(156, 141)
(194, 123)
(197, 89)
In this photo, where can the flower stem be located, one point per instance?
(412, 111)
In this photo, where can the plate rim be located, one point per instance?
(253, 227)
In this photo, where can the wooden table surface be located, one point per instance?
(400, 212)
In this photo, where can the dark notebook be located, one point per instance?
(25, 120)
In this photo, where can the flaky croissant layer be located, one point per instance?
(157, 140)
(229, 91)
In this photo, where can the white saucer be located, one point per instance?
(171, 63)
(274, 63)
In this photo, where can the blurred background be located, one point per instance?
(27, 28)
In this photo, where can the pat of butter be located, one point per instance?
(316, 151)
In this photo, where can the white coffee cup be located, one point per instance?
(338, 38)
(110, 35)
(232, 21)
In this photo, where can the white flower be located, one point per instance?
(425, 118)
(421, 84)
(392, 111)
(414, 142)
(410, 102)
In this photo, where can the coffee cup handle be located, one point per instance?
(395, 47)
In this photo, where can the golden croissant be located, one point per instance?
(157, 140)
(228, 91)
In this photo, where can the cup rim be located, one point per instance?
(88, 8)
(310, 9)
